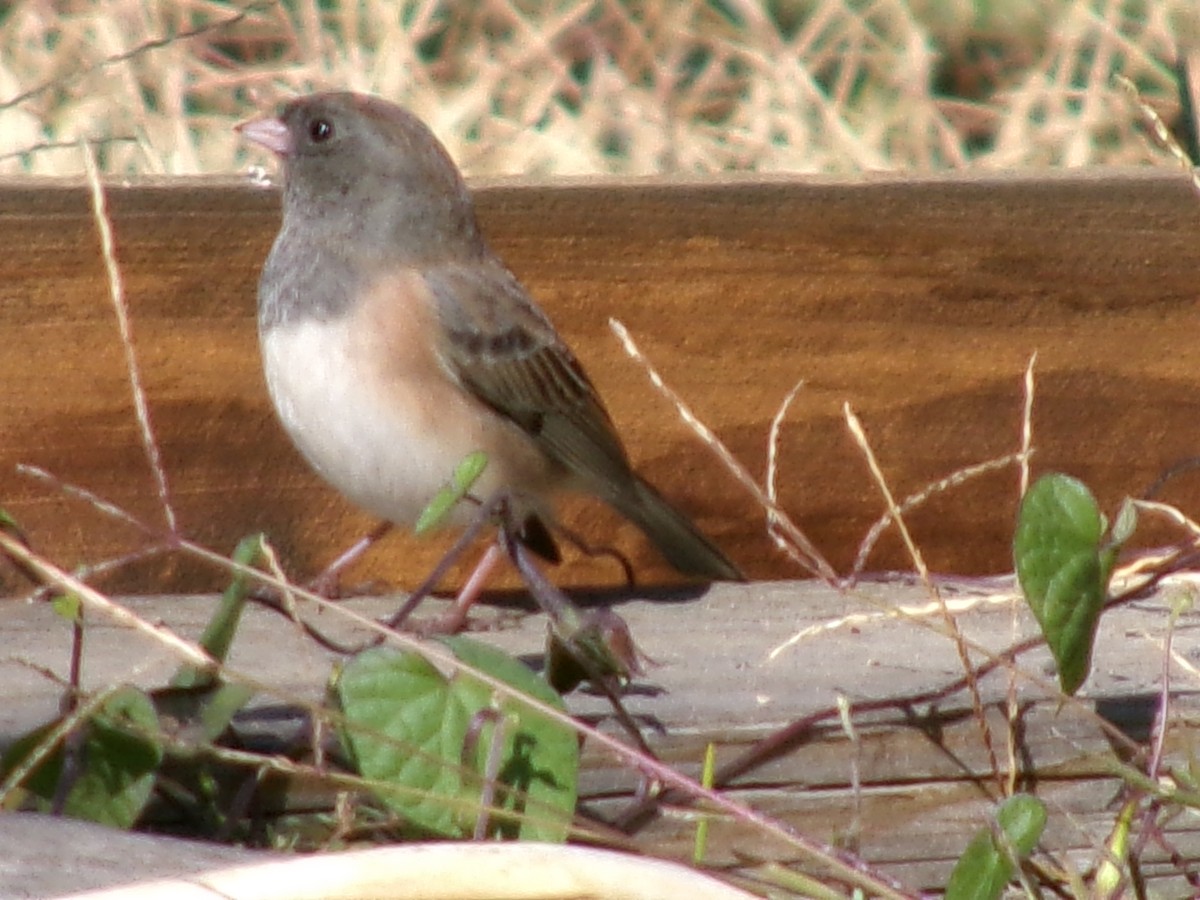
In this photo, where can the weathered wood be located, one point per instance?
(921, 765)
(917, 302)
(46, 856)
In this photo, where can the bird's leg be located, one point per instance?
(617, 656)
(487, 510)
(452, 621)
(326, 584)
(497, 508)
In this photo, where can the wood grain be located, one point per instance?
(918, 303)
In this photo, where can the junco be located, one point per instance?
(395, 342)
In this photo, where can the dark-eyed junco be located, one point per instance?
(395, 342)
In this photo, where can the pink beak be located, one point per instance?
(270, 133)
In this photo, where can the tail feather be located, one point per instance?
(674, 534)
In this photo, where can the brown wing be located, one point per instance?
(503, 349)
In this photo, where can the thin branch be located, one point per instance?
(116, 291)
(860, 437)
(813, 560)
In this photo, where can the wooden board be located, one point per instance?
(923, 777)
(917, 302)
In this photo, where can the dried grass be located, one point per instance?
(556, 87)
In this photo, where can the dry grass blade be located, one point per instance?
(1012, 708)
(1158, 128)
(953, 480)
(1026, 451)
(860, 437)
(805, 552)
(117, 294)
(68, 583)
(776, 526)
(159, 43)
(601, 88)
(925, 611)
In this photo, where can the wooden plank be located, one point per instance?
(920, 763)
(49, 856)
(917, 302)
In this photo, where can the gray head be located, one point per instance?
(368, 167)
(367, 187)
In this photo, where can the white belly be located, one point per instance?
(386, 432)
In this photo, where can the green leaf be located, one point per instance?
(986, 866)
(428, 737)
(1022, 818)
(1110, 872)
(198, 705)
(1064, 570)
(1125, 523)
(199, 715)
(118, 758)
(461, 482)
(219, 633)
(67, 606)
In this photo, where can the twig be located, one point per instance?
(1012, 707)
(860, 437)
(1161, 132)
(888, 613)
(810, 557)
(67, 582)
(1026, 451)
(91, 498)
(60, 83)
(774, 523)
(116, 291)
(953, 480)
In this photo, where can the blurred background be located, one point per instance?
(577, 87)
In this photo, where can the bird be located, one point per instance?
(395, 342)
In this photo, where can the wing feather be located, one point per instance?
(500, 347)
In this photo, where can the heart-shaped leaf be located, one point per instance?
(986, 866)
(429, 738)
(119, 760)
(1064, 569)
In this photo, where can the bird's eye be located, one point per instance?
(320, 130)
